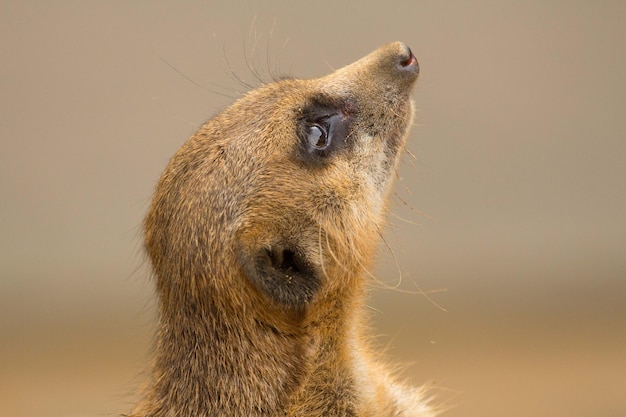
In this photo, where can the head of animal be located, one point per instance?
(260, 234)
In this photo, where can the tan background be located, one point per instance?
(516, 201)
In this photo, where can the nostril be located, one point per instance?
(408, 62)
(411, 60)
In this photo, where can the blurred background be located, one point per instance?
(511, 218)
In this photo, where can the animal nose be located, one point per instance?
(392, 67)
(407, 61)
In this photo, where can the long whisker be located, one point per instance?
(233, 74)
(419, 291)
(321, 252)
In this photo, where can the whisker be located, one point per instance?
(233, 74)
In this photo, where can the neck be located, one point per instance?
(211, 361)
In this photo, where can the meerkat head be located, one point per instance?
(278, 200)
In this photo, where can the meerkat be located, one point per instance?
(261, 233)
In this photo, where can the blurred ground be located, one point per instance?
(514, 203)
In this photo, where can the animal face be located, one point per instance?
(282, 196)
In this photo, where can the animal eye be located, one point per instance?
(322, 132)
(317, 135)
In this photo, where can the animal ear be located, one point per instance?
(282, 273)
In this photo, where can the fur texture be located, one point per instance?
(260, 234)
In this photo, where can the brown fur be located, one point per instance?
(260, 251)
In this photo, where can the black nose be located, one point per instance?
(408, 62)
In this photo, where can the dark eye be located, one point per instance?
(317, 135)
(323, 131)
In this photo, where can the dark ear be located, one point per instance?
(282, 273)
